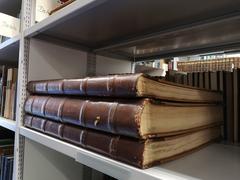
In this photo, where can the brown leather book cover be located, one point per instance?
(130, 151)
(124, 86)
(139, 118)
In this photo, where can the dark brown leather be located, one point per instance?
(113, 85)
(123, 149)
(115, 117)
(120, 148)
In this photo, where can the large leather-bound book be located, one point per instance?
(236, 101)
(139, 153)
(140, 118)
(130, 85)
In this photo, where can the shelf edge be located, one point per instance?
(9, 42)
(101, 163)
(8, 124)
(61, 15)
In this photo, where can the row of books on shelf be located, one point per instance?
(224, 64)
(6, 154)
(131, 118)
(8, 90)
(225, 81)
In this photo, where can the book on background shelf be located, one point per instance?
(63, 3)
(6, 167)
(45, 8)
(6, 153)
(139, 118)
(236, 104)
(222, 64)
(207, 80)
(142, 154)
(190, 79)
(201, 80)
(213, 81)
(196, 79)
(229, 108)
(124, 86)
(3, 87)
(10, 94)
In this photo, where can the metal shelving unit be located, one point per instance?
(127, 30)
(143, 29)
(10, 7)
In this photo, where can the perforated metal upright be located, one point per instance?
(26, 21)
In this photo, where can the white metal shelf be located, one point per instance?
(216, 161)
(8, 124)
(153, 32)
(9, 49)
(103, 164)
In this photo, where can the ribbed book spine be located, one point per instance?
(123, 149)
(114, 117)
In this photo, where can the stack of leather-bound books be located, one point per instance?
(133, 118)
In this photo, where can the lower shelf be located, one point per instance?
(216, 161)
(8, 124)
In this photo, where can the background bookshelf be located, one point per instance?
(99, 37)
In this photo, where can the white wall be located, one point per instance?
(50, 61)
(107, 65)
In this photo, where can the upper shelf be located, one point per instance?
(10, 7)
(143, 28)
(9, 50)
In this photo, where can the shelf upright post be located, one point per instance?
(26, 21)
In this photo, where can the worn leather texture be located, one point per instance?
(112, 85)
(120, 148)
(121, 118)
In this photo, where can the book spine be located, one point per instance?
(123, 149)
(114, 117)
(207, 80)
(236, 98)
(229, 113)
(117, 85)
